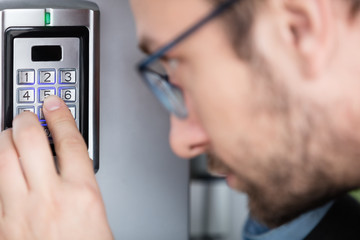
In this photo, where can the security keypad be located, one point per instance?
(36, 78)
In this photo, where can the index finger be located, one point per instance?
(70, 147)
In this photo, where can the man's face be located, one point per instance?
(269, 138)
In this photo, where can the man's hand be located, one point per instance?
(35, 201)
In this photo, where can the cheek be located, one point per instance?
(221, 98)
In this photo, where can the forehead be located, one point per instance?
(161, 20)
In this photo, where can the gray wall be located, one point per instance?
(145, 187)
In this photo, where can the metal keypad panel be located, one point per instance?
(33, 81)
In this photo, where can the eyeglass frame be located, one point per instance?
(143, 66)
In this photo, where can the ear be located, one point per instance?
(310, 23)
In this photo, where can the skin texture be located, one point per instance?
(280, 124)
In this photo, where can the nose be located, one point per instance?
(187, 138)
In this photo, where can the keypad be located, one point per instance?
(31, 98)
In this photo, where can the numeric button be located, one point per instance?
(47, 76)
(45, 92)
(26, 76)
(73, 111)
(68, 94)
(25, 109)
(68, 76)
(41, 114)
(26, 95)
(47, 131)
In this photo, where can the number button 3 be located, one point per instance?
(67, 76)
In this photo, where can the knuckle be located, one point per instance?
(24, 115)
(71, 142)
(63, 119)
(90, 194)
(30, 132)
(6, 157)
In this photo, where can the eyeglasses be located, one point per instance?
(155, 76)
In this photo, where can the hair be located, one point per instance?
(240, 18)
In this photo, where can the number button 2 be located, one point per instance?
(68, 94)
(67, 76)
(47, 76)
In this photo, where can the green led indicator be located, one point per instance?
(47, 18)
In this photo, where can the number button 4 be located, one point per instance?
(47, 76)
(26, 95)
(45, 92)
(68, 76)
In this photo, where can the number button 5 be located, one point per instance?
(47, 76)
(45, 92)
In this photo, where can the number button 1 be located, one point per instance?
(68, 94)
(26, 77)
(68, 76)
(26, 95)
(47, 76)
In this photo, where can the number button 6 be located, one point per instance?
(68, 94)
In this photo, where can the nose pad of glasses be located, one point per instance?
(177, 99)
(171, 98)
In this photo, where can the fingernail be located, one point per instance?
(52, 103)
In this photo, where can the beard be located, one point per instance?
(299, 169)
